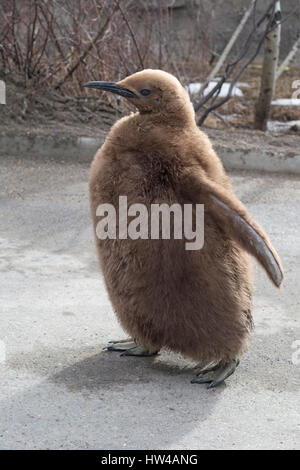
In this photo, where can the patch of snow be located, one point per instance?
(279, 126)
(231, 117)
(287, 102)
(243, 84)
(194, 88)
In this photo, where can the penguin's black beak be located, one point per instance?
(112, 87)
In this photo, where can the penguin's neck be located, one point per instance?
(179, 118)
(138, 132)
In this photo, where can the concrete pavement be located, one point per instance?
(59, 390)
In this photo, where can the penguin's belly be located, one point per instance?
(194, 302)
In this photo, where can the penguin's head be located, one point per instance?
(152, 92)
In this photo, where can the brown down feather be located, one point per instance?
(197, 303)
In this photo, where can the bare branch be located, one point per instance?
(232, 41)
(289, 58)
(214, 93)
(86, 52)
(132, 34)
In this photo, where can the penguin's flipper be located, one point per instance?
(235, 220)
(217, 374)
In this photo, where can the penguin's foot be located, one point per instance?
(128, 347)
(217, 374)
(139, 351)
(121, 345)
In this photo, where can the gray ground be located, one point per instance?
(60, 390)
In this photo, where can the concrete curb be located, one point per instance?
(259, 160)
(83, 149)
(45, 146)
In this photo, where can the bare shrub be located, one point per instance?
(60, 44)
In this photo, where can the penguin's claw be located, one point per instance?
(128, 347)
(121, 345)
(125, 340)
(138, 351)
(206, 367)
(217, 374)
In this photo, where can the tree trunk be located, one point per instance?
(268, 77)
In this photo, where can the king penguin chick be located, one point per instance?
(195, 302)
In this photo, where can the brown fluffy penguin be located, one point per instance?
(196, 302)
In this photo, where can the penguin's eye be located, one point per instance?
(145, 91)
